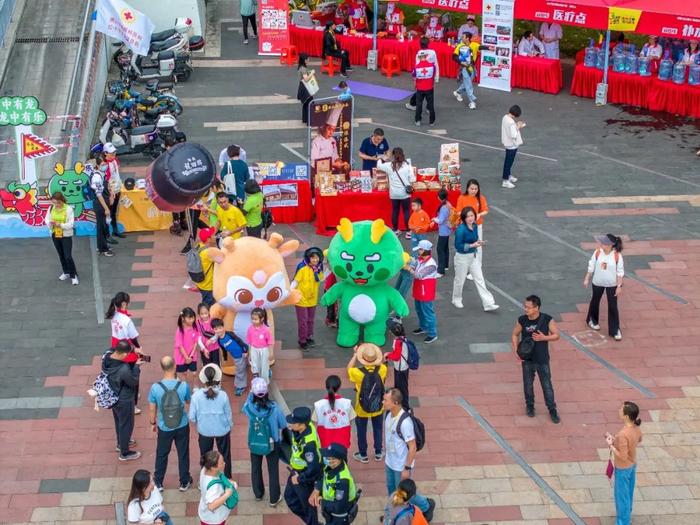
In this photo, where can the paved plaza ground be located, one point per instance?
(583, 171)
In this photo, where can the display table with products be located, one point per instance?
(137, 212)
(302, 212)
(367, 206)
(537, 74)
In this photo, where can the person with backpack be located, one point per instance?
(405, 435)
(265, 424)
(369, 387)
(336, 492)
(442, 219)
(404, 355)
(305, 465)
(333, 415)
(168, 417)
(219, 494)
(399, 510)
(607, 269)
(200, 267)
(123, 380)
(210, 410)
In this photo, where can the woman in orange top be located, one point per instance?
(472, 198)
(624, 447)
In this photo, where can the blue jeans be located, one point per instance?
(624, 493)
(467, 87)
(393, 478)
(508, 162)
(416, 238)
(207, 297)
(377, 431)
(426, 317)
(165, 518)
(404, 282)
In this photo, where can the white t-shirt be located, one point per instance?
(152, 508)
(123, 327)
(208, 496)
(396, 448)
(604, 269)
(397, 183)
(510, 133)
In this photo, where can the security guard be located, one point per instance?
(305, 463)
(335, 491)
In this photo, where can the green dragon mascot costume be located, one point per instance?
(364, 256)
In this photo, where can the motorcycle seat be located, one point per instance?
(162, 35)
(165, 44)
(143, 130)
(155, 85)
(166, 55)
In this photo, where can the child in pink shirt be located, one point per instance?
(207, 343)
(259, 337)
(185, 351)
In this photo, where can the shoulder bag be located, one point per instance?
(527, 345)
(311, 85)
(409, 188)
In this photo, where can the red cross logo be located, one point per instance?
(128, 16)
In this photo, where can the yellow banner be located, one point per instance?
(623, 19)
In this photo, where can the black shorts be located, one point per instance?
(192, 367)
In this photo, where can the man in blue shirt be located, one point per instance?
(180, 434)
(373, 148)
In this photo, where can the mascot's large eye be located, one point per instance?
(346, 256)
(274, 294)
(19, 194)
(243, 296)
(375, 257)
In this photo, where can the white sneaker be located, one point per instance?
(409, 107)
(137, 411)
(618, 336)
(593, 325)
(472, 105)
(469, 277)
(245, 41)
(508, 184)
(491, 308)
(63, 277)
(75, 281)
(457, 96)
(513, 179)
(439, 275)
(458, 304)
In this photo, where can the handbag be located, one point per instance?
(610, 469)
(229, 180)
(527, 345)
(311, 85)
(409, 189)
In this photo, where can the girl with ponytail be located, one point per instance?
(185, 348)
(623, 450)
(333, 415)
(607, 270)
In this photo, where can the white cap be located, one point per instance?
(424, 245)
(334, 116)
(109, 148)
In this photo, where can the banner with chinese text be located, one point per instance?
(330, 135)
(119, 20)
(273, 26)
(497, 32)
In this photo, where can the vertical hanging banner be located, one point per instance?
(119, 20)
(497, 30)
(273, 26)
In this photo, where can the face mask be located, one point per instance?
(327, 462)
(103, 168)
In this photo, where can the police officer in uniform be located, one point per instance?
(305, 465)
(336, 491)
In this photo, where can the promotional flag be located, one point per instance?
(119, 20)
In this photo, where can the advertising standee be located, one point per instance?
(273, 26)
(497, 31)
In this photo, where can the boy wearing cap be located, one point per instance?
(335, 491)
(424, 287)
(207, 237)
(305, 465)
(114, 183)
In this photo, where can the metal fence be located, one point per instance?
(7, 7)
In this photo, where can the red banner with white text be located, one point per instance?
(273, 26)
(462, 6)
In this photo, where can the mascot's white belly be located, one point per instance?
(362, 309)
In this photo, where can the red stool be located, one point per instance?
(331, 66)
(289, 56)
(390, 65)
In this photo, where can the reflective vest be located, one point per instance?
(297, 461)
(330, 484)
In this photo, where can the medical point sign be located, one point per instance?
(21, 111)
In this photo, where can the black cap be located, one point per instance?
(299, 415)
(335, 450)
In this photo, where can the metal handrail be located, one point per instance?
(74, 76)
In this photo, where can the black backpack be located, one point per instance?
(371, 391)
(171, 406)
(418, 428)
(267, 218)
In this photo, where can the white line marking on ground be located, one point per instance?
(290, 147)
(96, 283)
(265, 100)
(256, 62)
(264, 125)
(641, 168)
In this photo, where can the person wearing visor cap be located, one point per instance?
(335, 491)
(606, 269)
(305, 465)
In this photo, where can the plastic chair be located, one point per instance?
(331, 66)
(289, 56)
(390, 65)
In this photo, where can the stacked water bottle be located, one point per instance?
(625, 60)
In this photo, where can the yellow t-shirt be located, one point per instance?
(308, 286)
(356, 375)
(230, 219)
(208, 267)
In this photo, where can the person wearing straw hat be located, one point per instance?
(369, 387)
(305, 465)
(335, 491)
(210, 410)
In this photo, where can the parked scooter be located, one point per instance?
(160, 98)
(147, 140)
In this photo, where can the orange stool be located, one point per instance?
(390, 65)
(331, 66)
(289, 56)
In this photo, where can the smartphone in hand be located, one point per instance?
(146, 358)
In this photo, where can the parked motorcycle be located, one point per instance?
(178, 40)
(147, 140)
(160, 98)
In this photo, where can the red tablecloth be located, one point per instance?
(290, 214)
(644, 92)
(537, 73)
(366, 206)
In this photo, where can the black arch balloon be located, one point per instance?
(180, 176)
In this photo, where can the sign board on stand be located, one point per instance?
(273, 26)
(497, 30)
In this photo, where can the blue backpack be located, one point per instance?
(413, 355)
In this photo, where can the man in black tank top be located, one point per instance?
(542, 329)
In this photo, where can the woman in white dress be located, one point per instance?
(551, 34)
